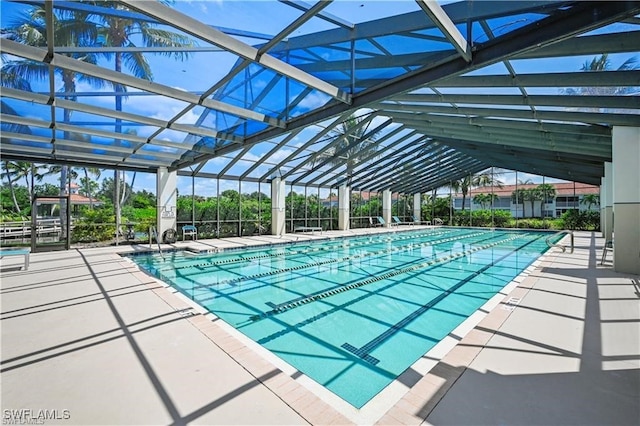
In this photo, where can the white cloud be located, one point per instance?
(313, 100)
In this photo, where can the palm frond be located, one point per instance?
(8, 78)
(19, 73)
(629, 64)
(154, 37)
(10, 127)
(137, 64)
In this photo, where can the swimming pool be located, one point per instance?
(353, 313)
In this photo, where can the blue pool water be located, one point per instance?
(353, 313)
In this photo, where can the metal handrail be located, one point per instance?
(155, 234)
(564, 248)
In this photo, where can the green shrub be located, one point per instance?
(534, 223)
(581, 221)
(501, 218)
(94, 225)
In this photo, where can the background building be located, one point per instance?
(568, 196)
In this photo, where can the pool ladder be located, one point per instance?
(153, 232)
(563, 247)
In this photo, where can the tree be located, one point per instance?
(483, 180)
(599, 64)
(351, 147)
(462, 186)
(485, 200)
(547, 192)
(88, 185)
(589, 200)
(70, 28)
(532, 195)
(115, 31)
(9, 174)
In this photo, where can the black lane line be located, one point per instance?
(321, 294)
(311, 250)
(363, 351)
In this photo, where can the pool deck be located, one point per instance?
(90, 339)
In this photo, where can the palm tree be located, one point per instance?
(88, 187)
(120, 32)
(462, 186)
(485, 199)
(532, 195)
(547, 192)
(598, 64)
(10, 175)
(487, 179)
(351, 147)
(483, 180)
(589, 200)
(69, 29)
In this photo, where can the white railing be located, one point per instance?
(22, 229)
(563, 247)
(154, 233)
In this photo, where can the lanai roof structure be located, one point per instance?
(441, 90)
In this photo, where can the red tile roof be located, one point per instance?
(73, 199)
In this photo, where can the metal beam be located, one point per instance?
(125, 116)
(537, 162)
(381, 149)
(440, 18)
(298, 22)
(426, 181)
(630, 78)
(71, 64)
(414, 21)
(580, 18)
(527, 114)
(338, 153)
(92, 132)
(587, 45)
(437, 161)
(81, 162)
(507, 138)
(619, 102)
(62, 153)
(130, 15)
(277, 147)
(199, 30)
(307, 144)
(334, 142)
(597, 132)
(507, 135)
(336, 20)
(389, 163)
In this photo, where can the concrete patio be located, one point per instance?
(85, 331)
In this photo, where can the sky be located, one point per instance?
(203, 69)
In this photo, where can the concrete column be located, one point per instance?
(278, 205)
(417, 207)
(344, 200)
(166, 192)
(626, 199)
(386, 207)
(602, 197)
(608, 201)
